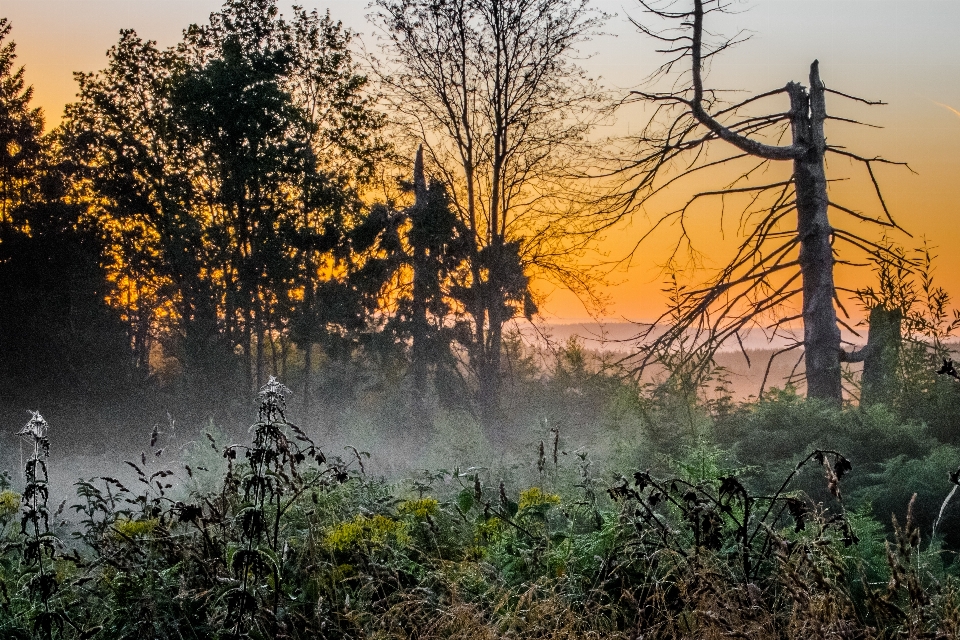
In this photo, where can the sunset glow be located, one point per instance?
(904, 53)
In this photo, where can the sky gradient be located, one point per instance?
(905, 52)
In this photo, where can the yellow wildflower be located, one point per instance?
(9, 502)
(535, 496)
(125, 528)
(366, 533)
(420, 508)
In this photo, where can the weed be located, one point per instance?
(39, 545)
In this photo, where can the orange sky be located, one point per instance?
(906, 52)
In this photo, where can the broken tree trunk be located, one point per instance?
(880, 357)
(879, 382)
(821, 333)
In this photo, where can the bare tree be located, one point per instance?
(493, 91)
(776, 261)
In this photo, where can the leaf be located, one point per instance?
(465, 500)
(955, 477)
(798, 510)
(842, 467)
(731, 487)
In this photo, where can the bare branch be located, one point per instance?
(759, 149)
(848, 328)
(872, 103)
(766, 373)
(848, 120)
(876, 185)
(860, 216)
(744, 103)
(878, 250)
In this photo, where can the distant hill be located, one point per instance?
(620, 336)
(744, 377)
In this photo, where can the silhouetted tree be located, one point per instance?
(438, 243)
(407, 262)
(492, 90)
(347, 149)
(21, 129)
(59, 337)
(129, 149)
(231, 167)
(251, 144)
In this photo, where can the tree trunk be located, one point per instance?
(260, 361)
(419, 355)
(248, 356)
(821, 333)
(274, 355)
(879, 381)
(489, 382)
(307, 366)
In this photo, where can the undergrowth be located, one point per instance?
(286, 541)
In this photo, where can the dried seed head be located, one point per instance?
(36, 427)
(272, 399)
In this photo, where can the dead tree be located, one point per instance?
(880, 356)
(776, 261)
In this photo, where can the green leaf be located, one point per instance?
(465, 500)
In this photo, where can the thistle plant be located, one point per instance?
(270, 484)
(39, 543)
